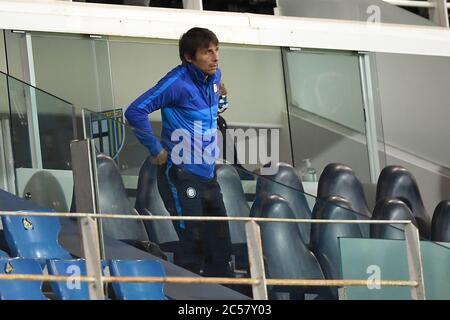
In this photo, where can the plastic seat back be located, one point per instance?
(286, 184)
(69, 289)
(137, 268)
(324, 237)
(390, 209)
(149, 201)
(398, 182)
(34, 237)
(285, 254)
(113, 199)
(234, 200)
(440, 226)
(18, 289)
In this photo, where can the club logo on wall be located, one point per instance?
(107, 131)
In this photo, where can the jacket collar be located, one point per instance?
(199, 76)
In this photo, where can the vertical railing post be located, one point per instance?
(83, 178)
(439, 12)
(256, 261)
(414, 261)
(193, 4)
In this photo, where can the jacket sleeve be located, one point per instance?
(138, 112)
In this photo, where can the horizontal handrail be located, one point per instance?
(194, 218)
(209, 280)
(254, 282)
(411, 3)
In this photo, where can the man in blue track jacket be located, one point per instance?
(188, 97)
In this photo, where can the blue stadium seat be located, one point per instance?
(341, 181)
(398, 182)
(440, 230)
(286, 184)
(324, 237)
(286, 256)
(112, 198)
(236, 206)
(150, 202)
(3, 254)
(390, 209)
(20, 290)
(137, 268)
(34, 237)
(69, 290)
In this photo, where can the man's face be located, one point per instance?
(206, 59)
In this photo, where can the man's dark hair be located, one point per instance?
(194, 39)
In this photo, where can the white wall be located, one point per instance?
(415, 100)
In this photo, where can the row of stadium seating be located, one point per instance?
(73, 289)
(290, 251)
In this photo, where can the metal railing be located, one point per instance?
(258, 281)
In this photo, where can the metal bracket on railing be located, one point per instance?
(414, 261)
(92, 256)
(256, 260)
(439, 12)
(83, 178)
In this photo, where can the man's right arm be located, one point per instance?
(138, 112)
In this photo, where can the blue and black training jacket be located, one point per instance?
(188, 102)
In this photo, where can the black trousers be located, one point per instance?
(205, 247)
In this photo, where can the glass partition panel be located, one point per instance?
(41, 131)
(378, 259)
(253, 77)
(332, 103)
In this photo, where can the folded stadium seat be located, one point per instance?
(69, 290)
(324, 237)
(440, 226)
(113, 199)
(236, 206)
(340, 180)
(390, 209)
(286, 256)
(257, 205)
(137, 268)
(148, 202)
(19, 289)
(287, 184)
(34, 237)
(397, 182)
(52, 196)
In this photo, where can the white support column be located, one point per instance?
(3, 172)
(32, 112)
(8, 156)
(369, 113)
(439, 12)
(193, 4)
